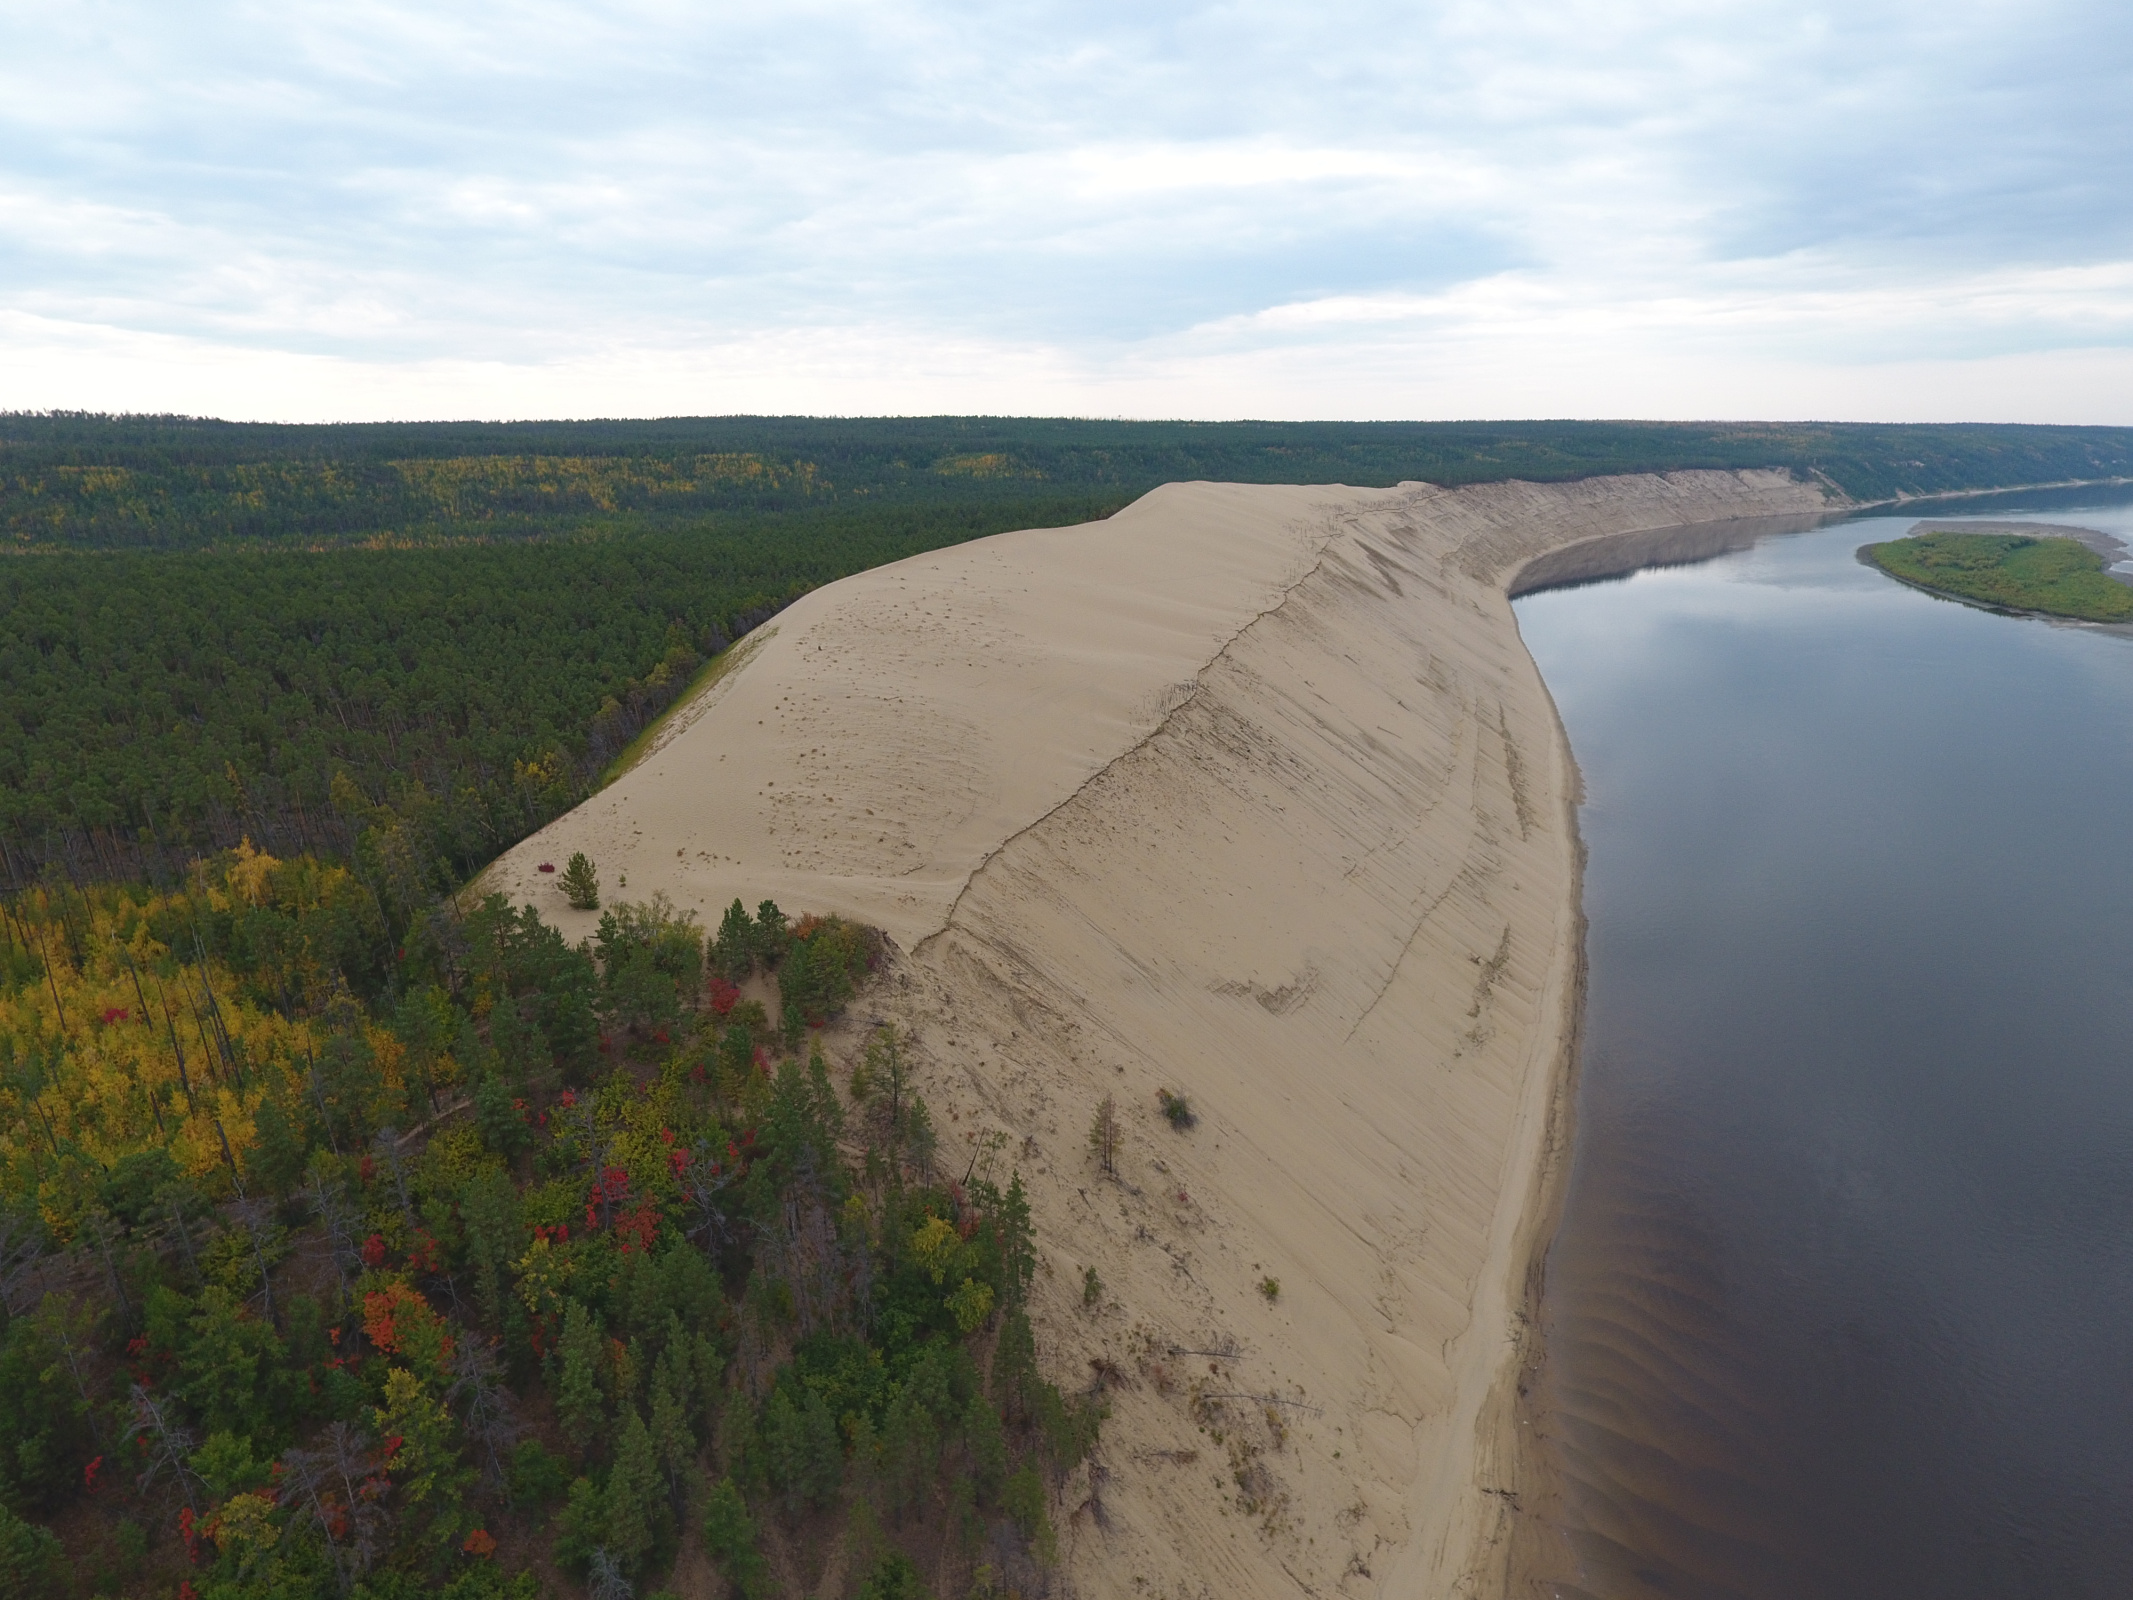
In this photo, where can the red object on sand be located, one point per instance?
(547, 866)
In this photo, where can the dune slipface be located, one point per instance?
(1252, 794)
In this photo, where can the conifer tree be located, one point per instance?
(581, 883)
(578, 1385)
(733, 951)
(1014, 1364)
(772, 937)
(673, 1441)
(986, 1442)
(729, 1535)
(1018, 1243)
(634, 1502)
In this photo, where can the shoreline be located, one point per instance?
(1253, 793)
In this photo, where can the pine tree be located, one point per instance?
(729, 1535)
(581, 883)
(803, 1449)
(1018, 1243)
(733, 952)
(986, 1442)
(771, 935)
(920, 1140)
(578, 1386)
(635, 1505)
(1014, 1363)
(276, 1160)
(426, 1468)
(495, 1235)
(673, 1442)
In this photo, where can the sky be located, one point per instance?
(1884, 210)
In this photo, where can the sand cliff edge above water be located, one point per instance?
(1251, 793)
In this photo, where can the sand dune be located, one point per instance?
(1251, 793)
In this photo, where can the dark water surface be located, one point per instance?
(1842, 1301)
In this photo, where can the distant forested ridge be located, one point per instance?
(85, 481)
(425, 640)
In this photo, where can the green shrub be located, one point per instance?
(538, 1476)
(894, 1578)
(30, 1559)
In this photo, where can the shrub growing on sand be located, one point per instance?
(581, 884)
(1177, 1110)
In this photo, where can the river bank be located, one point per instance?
(1251, 794)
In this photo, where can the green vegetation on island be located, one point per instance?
(346, 1257)
(2017, 572)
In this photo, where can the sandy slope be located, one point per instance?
(1247, 792)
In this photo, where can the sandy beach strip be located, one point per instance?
(1252, 794)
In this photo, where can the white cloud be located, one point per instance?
(1569, 207)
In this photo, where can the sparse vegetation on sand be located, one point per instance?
(2060, 577)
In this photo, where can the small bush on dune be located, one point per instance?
(581, 884)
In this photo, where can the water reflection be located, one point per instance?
(1842, 1302)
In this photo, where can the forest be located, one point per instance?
(347, 1258)
(95, 482)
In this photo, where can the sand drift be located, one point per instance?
(1251, 794)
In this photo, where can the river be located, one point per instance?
(1841, 1303)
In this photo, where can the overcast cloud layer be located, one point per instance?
(1889, 209)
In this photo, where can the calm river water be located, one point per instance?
(1842, 1300)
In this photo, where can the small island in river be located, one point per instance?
(2060, 576)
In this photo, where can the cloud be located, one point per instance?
(309, 209)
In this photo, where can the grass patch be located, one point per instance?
(2062, 577)
(730, 659)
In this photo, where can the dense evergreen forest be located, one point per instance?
(85, 481)
(456, 696)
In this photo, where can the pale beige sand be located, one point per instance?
(1247, 792)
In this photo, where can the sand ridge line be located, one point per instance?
(1198, 681)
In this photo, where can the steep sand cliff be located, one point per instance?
(1253, 794)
